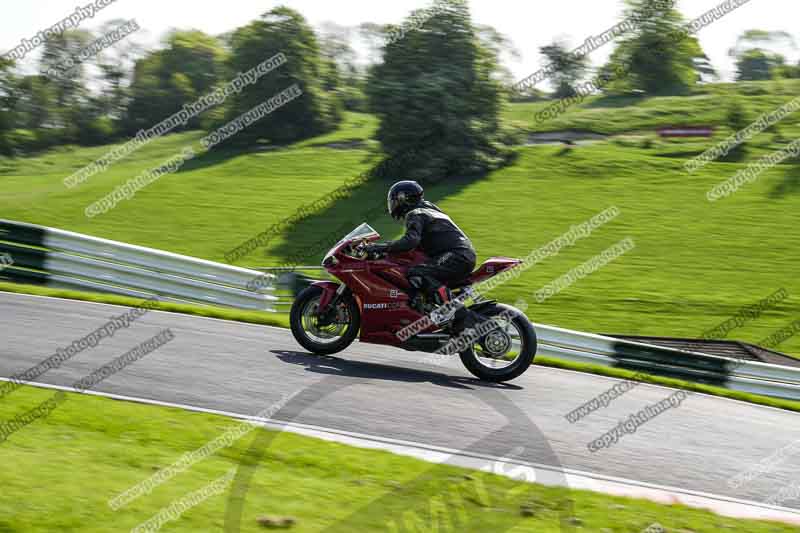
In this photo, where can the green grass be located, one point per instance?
(355, 127)
(97, 448)
(617, 114)
(695, 263)
(216, 200)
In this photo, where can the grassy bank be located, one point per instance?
(694, 265)
(90, 449)
(706, 105)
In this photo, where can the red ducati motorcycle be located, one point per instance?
(496, 342)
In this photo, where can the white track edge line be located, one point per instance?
(723, 505)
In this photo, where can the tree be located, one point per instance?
(35, 103)
(58, 53)
(197, 56)
(191, 65)
(343, 75)
(758, 57)
(773, 41)
(116, 65)
(503, 48)
(65, 85)
(438, 83)
(755, 65)
(91, 126)
(315, 111)
(658, 55)
(788, 71)
(705, 70)
(7, 105)
(335, 43)
(373, 38)
(567, 68)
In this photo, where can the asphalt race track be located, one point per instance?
(243, 369)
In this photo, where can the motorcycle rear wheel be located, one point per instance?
(505, 352)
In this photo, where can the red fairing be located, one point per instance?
(380, 285)
(380, 290)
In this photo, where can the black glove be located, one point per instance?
(376, 249)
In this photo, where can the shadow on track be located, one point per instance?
(360, 369)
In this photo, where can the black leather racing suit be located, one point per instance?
(450, 252)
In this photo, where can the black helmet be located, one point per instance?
(403, 196)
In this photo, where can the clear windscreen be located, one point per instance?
(361, 232)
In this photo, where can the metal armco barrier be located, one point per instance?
(292, 280)
(63, 259)
(56, 258)
(741, 375)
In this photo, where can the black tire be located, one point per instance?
(527, 336)
(306, 298)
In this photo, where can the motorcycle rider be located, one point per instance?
(450, 252)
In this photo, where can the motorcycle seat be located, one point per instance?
(491, 267)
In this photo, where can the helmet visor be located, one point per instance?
(392, 204)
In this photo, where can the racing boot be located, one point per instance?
(445, 311)
(417, 301)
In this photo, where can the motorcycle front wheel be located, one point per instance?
(324, 335)
(501, 347)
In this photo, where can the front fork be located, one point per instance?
(332, 294)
